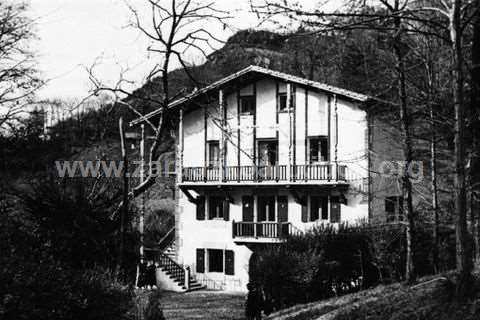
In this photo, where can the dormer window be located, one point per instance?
(247, 105)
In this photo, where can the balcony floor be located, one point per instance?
(266, 183)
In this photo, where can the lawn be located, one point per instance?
(213, 305)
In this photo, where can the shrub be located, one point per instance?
(328, 261)
(39, 281)
(319, 264)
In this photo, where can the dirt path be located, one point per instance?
(210, 305)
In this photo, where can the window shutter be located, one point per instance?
(200, 208)
(335, 210)
(200, 260)
(229, 262)
(304, 209)
(226, 210)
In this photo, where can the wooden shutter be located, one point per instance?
(229, 262)
(304, 202)
(334, 209)
(247, 208)
(282, 209)
(200, 260)
(226, 209)
(200, 208)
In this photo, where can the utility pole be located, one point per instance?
(141, 219)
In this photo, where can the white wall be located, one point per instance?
(217, 234)
(194, 141)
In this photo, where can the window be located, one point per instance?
(267, 152)
(213, 153)
(318, 149)
(282, 102)
(318, 208)
(215, 207)
(266, 208)
(247, 104)
(394, 208)
(215, 260)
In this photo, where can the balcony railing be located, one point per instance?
(270, 230)
(308, 172)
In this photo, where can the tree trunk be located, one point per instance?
(410, 275)
(124, 210)
(463, 258)
(436, 222)
(475, 125)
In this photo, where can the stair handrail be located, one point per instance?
(165, 237)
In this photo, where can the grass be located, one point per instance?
(213, 305)
(430, 299)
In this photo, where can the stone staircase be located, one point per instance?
(170, 274)
(170, 250)
(176, 274)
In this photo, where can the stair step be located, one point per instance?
(196, 288)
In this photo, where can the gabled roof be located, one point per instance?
(269, 73)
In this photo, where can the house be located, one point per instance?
(260, 155)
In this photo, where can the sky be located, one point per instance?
(75, 34)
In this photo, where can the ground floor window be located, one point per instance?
(215, 260)
(215, 207)
(318, 208)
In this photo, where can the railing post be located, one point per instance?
(233, 229)
(180, 147)
(186, 270)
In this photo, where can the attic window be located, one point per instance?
(247, 105)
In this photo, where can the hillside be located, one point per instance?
(431, 299)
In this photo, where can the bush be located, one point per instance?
(319, 264)
(326, 261)
(39, 281)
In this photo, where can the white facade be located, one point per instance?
(314, 161)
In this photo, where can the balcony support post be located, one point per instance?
(180, 147)
(223, 126)
(289, 109)
(336, 135)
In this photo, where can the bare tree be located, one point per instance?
(447, 20)
(18, 79)
(175, 27)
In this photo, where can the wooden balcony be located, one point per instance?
(247, 231)
(279, 173)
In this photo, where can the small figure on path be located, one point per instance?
(151, 275)
(142, 272)
(254, 304)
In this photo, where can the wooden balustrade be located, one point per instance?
(307, 172)
(271, 230)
